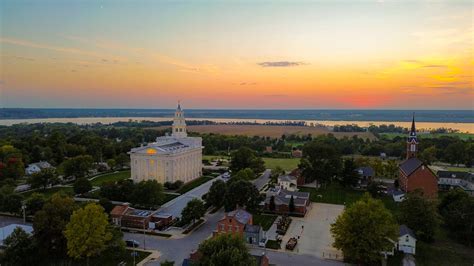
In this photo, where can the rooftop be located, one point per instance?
(410, 165)
(240, 215)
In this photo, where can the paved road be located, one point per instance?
(178, 249)
(289, 259)
(176, 205)
(263, 179)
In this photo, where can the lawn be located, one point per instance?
(264, 220)
(112, 177)
(193, 184)
(461, 169)
(287, 164)
(50, 191)
(168, 197)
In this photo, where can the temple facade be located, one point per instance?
(169, 158)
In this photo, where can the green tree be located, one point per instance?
(87, 232)
(19, 249)
(122, 160)
(194, 210)
(111, 163)
(278, 171)
(349, 174)
(455, 153)
(12, 203)
(363, 229)
(43, 178)
(457, 210)
(241, 193)
(245, 174)
(50, 222)
(245, 157)
(428, 155)
(153, 191)
(35, 202)
(216, 194)
(82, 185)
(225, 249)
(291, 205)
(77, 166)
(419, 214)
(320, 162)
(106, 204)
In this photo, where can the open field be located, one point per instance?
(463, 136)
(112, 177)
(271, 131)
(287, 164)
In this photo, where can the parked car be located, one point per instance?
(291, 243)
(262, 243)
(132, 243)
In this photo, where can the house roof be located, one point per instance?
(295, 172)
(250, 228)
(284, 196)
(410, 165)
(455, 174)
(404, 230)
(41, 164)
(240, 215)
(119, 210)
(365, 171)
(6, 231)
(287, 178)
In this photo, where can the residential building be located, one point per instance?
(170, 158)
(413, 173)
(37, 167)
(456, 179)
(126, 216)
(288, 182)
(240, 222)
(297, 153)
(282, 198)
(300, 180)
(366, 175)
(406, 240)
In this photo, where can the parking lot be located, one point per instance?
(314, 231)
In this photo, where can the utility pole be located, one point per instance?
(23, 207)
(144, 236)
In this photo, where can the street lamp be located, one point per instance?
(23, 208)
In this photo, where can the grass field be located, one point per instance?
(287, 164)
(264, 220)
(50, 191)
(116, 176)
(195, 183)
(463, 136)
(462, 169)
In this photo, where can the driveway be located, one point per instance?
(263, 179)
(313, 230)
(176, 205)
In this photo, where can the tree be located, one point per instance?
(225, 249)
(349, 174)
(20, 249)
(12, 203)
(147, 193)
(216, 194)
(457, 210)
(419, 214)
(271, 205)
(278, 171)
(363, 229)
(87, 239)
(194, 210)
(122, 159)
(375, 188)
(455, 153)
(82, 185)
(111, 163)
(77, 166)
(50, 222)
(106, 204)
(35, 203)
(241, 193)
(428, 155)
(43, 178)
(291, 204)
(246, 158)
(320, 162)
(245, 174)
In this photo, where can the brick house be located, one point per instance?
(413, 173)
(300, 180)
(282, 200)
(240, 222)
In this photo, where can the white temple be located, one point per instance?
(170, 158)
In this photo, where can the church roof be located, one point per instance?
(412, 135)
(410, 165)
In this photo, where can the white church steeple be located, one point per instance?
(179, 124)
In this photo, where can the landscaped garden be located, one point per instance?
(286, 164)
(264, 220)
(111, 177)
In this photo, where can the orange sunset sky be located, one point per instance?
(246, 54)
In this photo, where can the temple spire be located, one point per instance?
(179, 124)
(413, 129)
(412, 141)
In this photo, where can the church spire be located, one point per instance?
(412, 141)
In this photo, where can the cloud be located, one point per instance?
(280, 64)
(248, 83)
(435, 66)
(275, 95)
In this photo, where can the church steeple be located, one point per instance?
(179, 124)
(412, 141)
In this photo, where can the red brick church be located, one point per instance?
(413, 173)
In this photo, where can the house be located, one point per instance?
(297, 153)
(288, 182)
(126, 216)
(6, 231)
(366, 175)
(300, 180)
(406, 240)
(240, 222)
(37, 167)
(268, 149)
(413, 173)
(282, 198)
(456, 179)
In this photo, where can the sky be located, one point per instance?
(237, 54)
